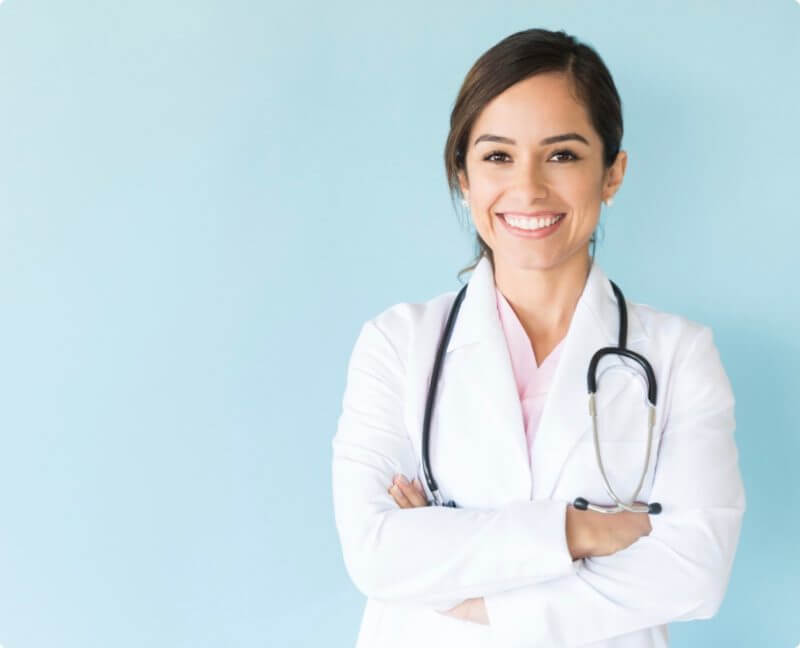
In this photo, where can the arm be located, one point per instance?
(679, 571)
(432, 556)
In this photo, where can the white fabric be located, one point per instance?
(507, 541)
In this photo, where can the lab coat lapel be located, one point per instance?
(565, 418)
(488, 394)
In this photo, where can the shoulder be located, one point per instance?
(663, 326)
(671, 329)
(404, 319)
(688, 351)
(398, 328)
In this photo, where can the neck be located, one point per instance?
(544, 300)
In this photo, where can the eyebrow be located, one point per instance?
(547, 140)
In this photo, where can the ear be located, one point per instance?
(463, 183)
(614, 175)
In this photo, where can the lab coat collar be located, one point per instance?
(478, 333)
(478, 318)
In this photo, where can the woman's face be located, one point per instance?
(519, 179)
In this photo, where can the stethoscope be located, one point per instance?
(580, 502)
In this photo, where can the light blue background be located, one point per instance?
(200, 204)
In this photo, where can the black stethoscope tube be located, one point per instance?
(621, 350)
(426, 425)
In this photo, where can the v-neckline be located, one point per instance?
(530, 371)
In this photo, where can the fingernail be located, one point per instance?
(402, 480)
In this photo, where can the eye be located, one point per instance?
(565, 152)
(489, 157)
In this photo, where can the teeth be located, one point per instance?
(523, 222)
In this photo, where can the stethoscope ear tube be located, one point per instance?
(581, 503)
(426, 423)
(591, 375)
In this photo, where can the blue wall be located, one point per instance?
(200, 204)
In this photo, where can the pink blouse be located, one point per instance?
(533, 381)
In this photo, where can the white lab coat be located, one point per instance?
(506, 542)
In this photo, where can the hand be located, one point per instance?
(407, 495)
(590, 533)
(412, 495)
(473, 610)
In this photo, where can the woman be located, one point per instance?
(533, 150)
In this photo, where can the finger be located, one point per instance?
(399, 497)
(411, 493)
(416, 483)
(423, 497)
(422, 492)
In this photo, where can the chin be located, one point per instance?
(527, 261)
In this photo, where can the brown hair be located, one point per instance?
(518, 57)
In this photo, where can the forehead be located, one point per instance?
(533, 108)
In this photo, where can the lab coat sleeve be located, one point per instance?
(427, 556)
(680, 571)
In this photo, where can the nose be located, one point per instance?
(532, 180)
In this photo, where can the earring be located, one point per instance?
(465, 202)
(608, 201)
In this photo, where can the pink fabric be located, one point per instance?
(533, 382)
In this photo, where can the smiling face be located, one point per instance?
(535, 176)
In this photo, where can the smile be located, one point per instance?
(531, 226)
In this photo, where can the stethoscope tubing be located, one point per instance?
(426, 424)
(581, 503)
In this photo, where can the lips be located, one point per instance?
(536, 214)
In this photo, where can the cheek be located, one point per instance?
(483, 202)
(585, 217)
(584, 199)
(485, 193)
(581, 190)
